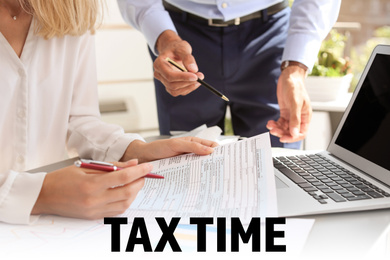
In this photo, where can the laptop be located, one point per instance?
(353, 174)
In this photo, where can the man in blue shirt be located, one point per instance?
(256, 52)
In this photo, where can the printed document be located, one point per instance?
(236, 180)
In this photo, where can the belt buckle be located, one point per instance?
(237, 21)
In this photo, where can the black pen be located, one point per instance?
(208, 86)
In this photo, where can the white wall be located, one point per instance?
(125, 74)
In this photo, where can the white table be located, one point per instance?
(350, 235)
(358, 235)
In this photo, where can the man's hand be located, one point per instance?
(295, 108)
(177, 83)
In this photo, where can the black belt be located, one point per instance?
(221, 23)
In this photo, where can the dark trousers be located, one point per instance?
(243, 62)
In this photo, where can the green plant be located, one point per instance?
(330, 61)
(361, 54)
(383, 32)
(228, 127)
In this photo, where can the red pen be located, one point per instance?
(107, 167)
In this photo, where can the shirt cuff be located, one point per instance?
(302, 48)
(153, 25)
(19, 194)
(117, 150)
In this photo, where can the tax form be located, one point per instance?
(236, 180)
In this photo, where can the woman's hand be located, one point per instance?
(159, 149)
(90, 194)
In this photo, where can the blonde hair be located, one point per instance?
(56, 18)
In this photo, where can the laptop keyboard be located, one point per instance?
(324, 179)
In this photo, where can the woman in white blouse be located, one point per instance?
(49, 107)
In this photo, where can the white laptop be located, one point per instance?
(353, 174)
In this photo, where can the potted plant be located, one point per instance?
(361, 53)
(330, 78)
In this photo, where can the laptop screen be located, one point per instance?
(366, 129)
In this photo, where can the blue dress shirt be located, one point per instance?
(310, 20)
